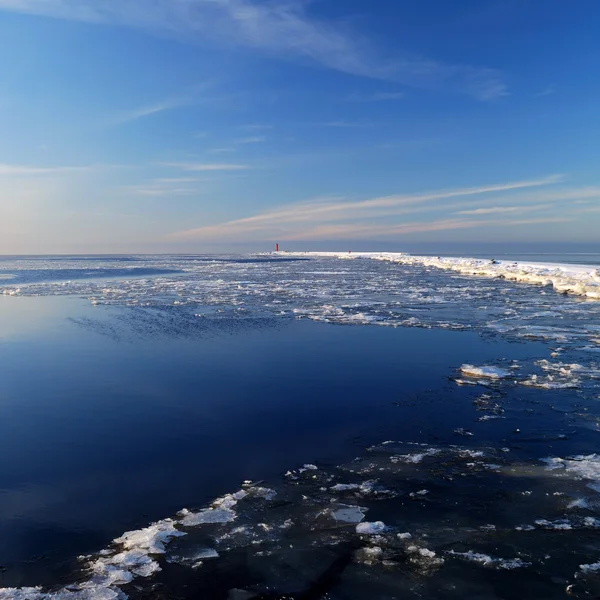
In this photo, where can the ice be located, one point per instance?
(591, 568)
(415, 458)
(578, 503)
(274, 539)
(128, 557)
(371, 528)
(580, 280)
(22, 594)
(425, 558)
(585, 467)
(349, 514)
(152, 539)
(563, 524)
(209, 515)
(487, 372)
(549, 383)
(345, 487)
(488, 561)
(369, 555)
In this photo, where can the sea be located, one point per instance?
(295, 426)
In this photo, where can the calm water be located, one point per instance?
(182, 382)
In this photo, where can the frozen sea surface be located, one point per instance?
(138, 392)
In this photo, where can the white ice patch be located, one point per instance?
(206, 516)
(414, 458)
(580, 280)
(371, 528)
(485, 372)
(489, 561)
(559, 524)
(586, 467)
(345, 487)
(349, 514)
(591, 568)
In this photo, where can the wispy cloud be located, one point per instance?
(347, 232)
(186, 166)
(255, 127)
(148, 110)
(258, 139)
(24, 170)
(551, 89)
(165, 186)
(495, 210)
(376, 97)
(282, 29)
(346, 124)
(292, 220)
(150, 190)
(223, 150)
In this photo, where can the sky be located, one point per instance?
(221, 125)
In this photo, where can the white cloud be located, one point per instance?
(551, 89)
(150, 190)
(376, 97)
(205, 166)
(255, 127)
(26, 171)
(493, 210)
(345, 124)
(282, 28)
(289, 220)
(223, 150)
(346, 232)
(251, 140)
(165, 186)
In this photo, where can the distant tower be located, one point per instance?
(276, 247)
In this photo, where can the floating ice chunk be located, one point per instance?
(463, 432)
(371, 528)
(308, 468)
(549, 383)
(559, 524)
(592, 522)
(349, 514)
(230, 500)
(466, 453)
(578, 503)
(424, 557)
(488, 561)
(345, 487)
(208, 515)
(524, 528)
(22, 593)
(369, 555)
(591, 568)
(206, 553)
(585, 467)
(486, 371)
(414, 458)
(151, 539)
(261, 492)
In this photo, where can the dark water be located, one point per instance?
(102, 434)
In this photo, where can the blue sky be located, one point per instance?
(183, 125)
